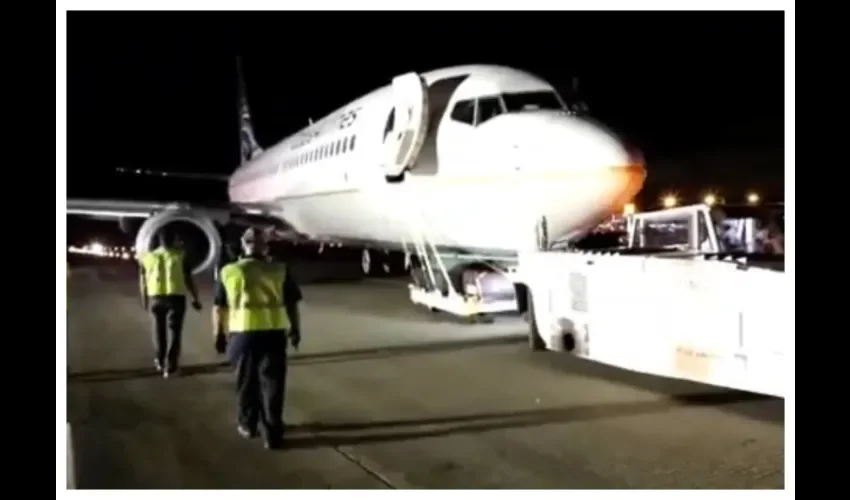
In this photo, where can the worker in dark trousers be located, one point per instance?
(256, 310)
(164, 278)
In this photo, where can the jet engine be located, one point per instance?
(145, 238)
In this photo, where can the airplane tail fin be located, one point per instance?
(248, 146)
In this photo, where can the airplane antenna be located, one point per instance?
(578, 106)
(309, 121)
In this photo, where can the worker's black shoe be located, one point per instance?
(274, 443)
(246, 432)
(158, 365)
(169, 372)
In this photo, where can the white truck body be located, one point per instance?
(685, 313)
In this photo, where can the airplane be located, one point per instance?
(461, 168)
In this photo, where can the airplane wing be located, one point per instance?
(210, 218)
(117, 209)
(173, 174)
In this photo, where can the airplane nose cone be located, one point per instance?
(580, 165)
(574, 142)
(554, 142)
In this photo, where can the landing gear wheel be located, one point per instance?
(485, 319)
(479, 319)
(535, 341)
(366, 262)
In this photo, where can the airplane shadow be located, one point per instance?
(298, 359)
(123, 374)
(318, 434)
(769, 409)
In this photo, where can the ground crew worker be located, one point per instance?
(229, 253)
(256, 308)
(164, 278)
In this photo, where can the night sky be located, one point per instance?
(702, 94)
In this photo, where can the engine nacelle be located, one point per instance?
(149, 229)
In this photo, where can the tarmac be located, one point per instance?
(383, 394)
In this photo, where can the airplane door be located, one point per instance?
(410, 98)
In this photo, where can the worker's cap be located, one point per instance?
(254, 236)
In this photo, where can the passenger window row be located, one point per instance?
(320, 152)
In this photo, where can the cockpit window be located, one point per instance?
(530, 101)
(488, 107)
(464, 112)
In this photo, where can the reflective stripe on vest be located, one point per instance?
(255, 296)
(164, 272)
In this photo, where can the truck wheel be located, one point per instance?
(535, 342)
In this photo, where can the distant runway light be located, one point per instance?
(753, 198)
(710, 199)
(669, 201)
(97, 248)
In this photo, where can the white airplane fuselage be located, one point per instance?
(500, 152)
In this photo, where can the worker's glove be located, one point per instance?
(196, 305)
(295, 338)
(220, 343)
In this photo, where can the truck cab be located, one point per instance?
(721, 230)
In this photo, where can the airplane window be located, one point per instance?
(344, 144)
(338, 144)
(529, 101)
(351, 142)
(464, 112)
(488, 107)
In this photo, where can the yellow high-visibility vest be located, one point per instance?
(164, 272)
(255, 295)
